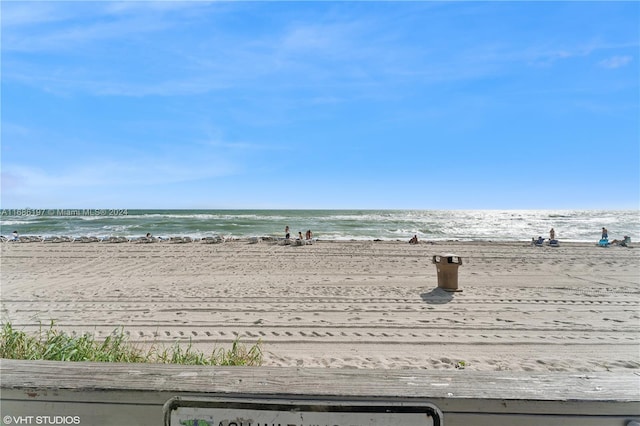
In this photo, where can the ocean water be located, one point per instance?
(434, 225)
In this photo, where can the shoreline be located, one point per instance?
(267, 239)
(333, 225)
(343, 304)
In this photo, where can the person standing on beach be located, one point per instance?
(552, 234)
(605, 233)
(287, 235)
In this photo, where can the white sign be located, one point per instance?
(235, 412)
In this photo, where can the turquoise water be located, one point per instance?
(464, 225)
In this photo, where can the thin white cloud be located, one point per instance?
(615, 62)
(244, 146)
(64, 27)
(349, 53)
(153, 6)
(109, 173)
(77, 36)
(214, 138)
(20, 14)
(327, 39)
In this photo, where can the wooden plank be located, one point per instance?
(455, 384)
(138, 391)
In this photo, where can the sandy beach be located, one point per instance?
(356, 304)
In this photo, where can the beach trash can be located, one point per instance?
(447, 266)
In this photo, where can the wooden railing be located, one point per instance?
(101, 394)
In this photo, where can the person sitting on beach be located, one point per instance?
(539, 241)
(414, 240)
(623, 242)
(14, 236)
(149, 235)
(300, 236)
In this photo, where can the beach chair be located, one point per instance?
(603, 242)
(554, 243)
(212, 240)
(29, 239)
(180, 240)
(52, 240)
(144, 240)
(284, 241)
(115, 240)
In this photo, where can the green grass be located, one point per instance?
(55, 345)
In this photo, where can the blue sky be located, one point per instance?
(416, 105)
